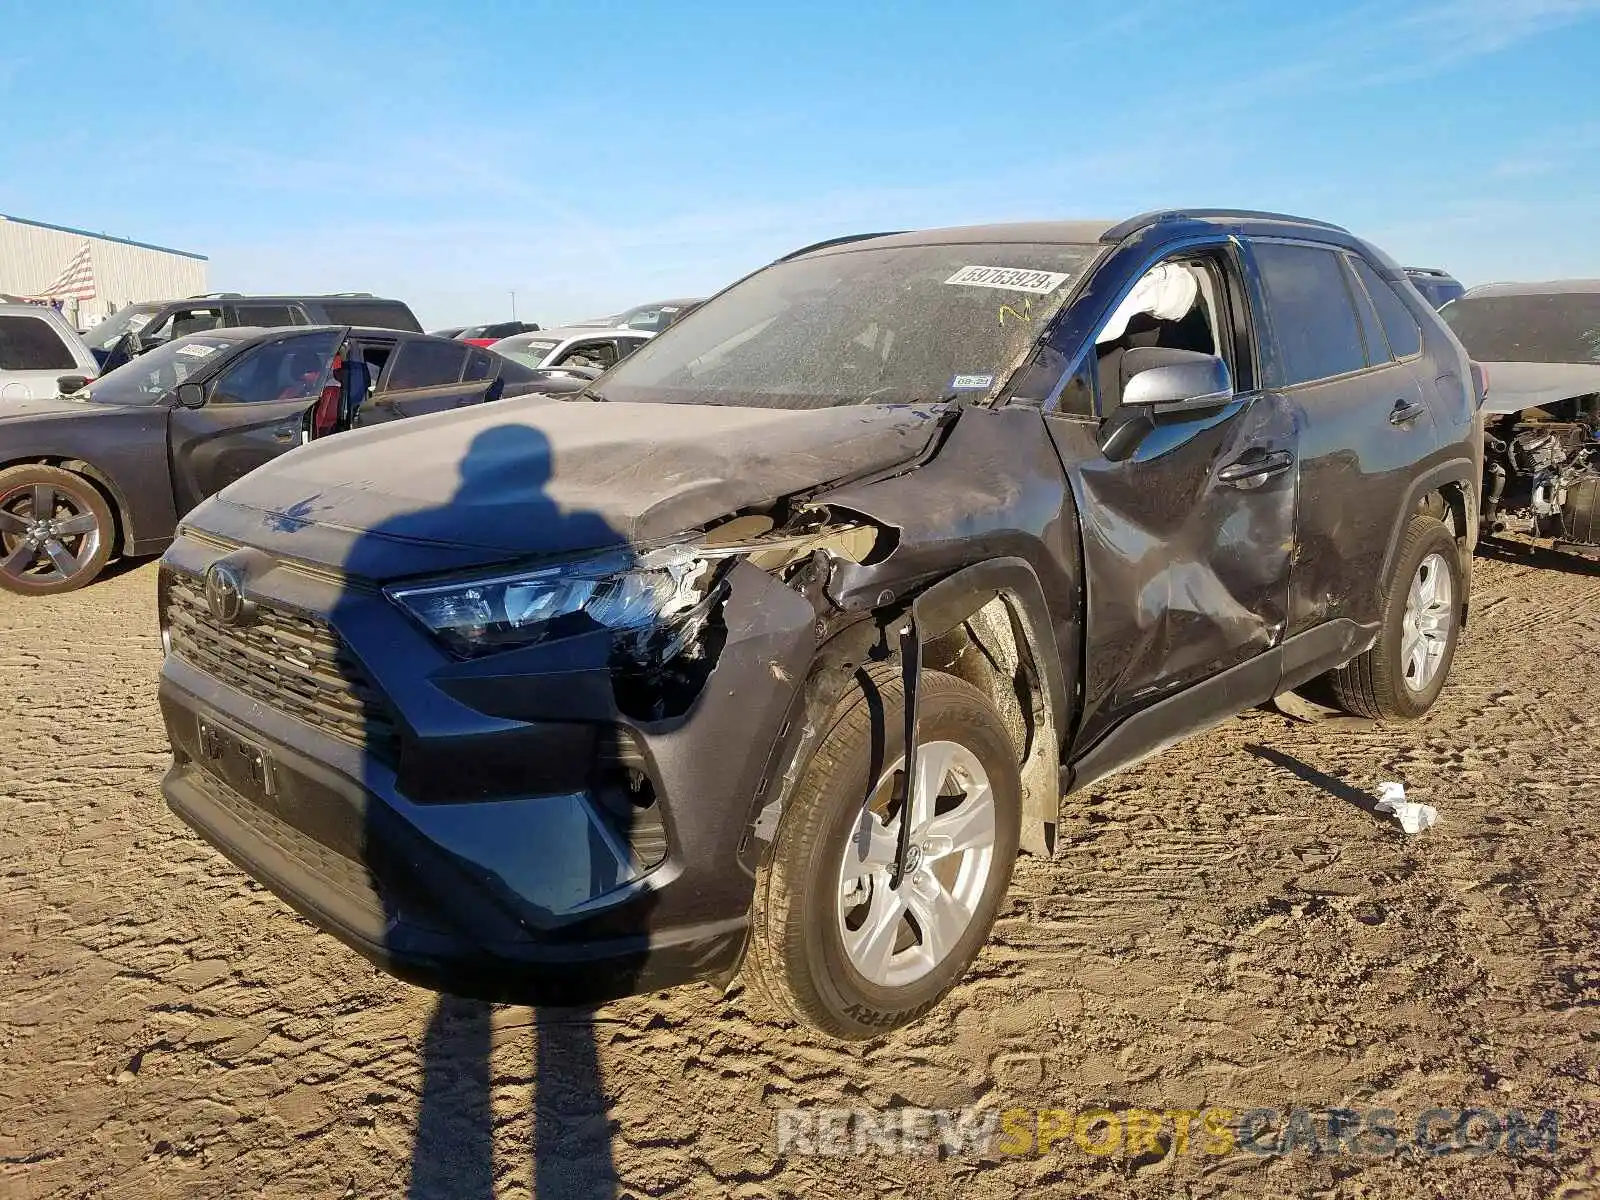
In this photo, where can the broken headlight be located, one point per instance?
(653, 605)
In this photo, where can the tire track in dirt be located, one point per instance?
(1224, 925)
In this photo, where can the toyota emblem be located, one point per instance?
(225, 594)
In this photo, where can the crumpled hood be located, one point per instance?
(530, 477)
(1515, 386)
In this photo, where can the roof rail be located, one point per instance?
(1440, 272)
(216, 296)
(1144, 220)
(838, 241)
(353, 295)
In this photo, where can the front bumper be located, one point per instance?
(478, 851)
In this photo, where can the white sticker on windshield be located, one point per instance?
(1011, 279)
(197, 351)
(972, 383)
(138, 321)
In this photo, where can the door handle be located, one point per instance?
(283, 435)
(1405, 412)
(1254, 467)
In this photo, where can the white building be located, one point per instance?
(88, 275)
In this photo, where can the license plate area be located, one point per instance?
(235, 761)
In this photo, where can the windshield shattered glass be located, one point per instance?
(149, 378)
(128, 320)
(1560, 328)
(893, 325)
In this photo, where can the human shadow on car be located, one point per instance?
(467, 864)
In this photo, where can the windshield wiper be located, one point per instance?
(591, 394)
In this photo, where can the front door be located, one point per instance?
(254, 410)
(1187, 519)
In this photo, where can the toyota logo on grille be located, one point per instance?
(225, 594)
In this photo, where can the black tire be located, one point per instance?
(77, 547)
(797, 962)
(1375, 684)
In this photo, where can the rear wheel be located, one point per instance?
(833, 943)
(1402, 675)
(56, 530)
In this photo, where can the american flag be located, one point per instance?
(76, 279)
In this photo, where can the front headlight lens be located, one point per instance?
(645, 600)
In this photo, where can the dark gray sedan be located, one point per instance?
(111, 468)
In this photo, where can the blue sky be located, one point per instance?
(591, 155)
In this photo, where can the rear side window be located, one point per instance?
(1313, 316)
(480, 365)
(1371, 328)
(1405, 339)
(30, 344)
(268, 316)
(373, 314)
(427, 364)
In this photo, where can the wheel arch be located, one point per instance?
(121, 514)
(1453, 487)
(988, 623)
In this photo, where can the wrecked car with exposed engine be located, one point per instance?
(765, 653)
(1539, 346)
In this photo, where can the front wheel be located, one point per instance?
(1402, 675)
(56, 530)
(833, 943)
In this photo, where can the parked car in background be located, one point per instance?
(113, 467)
(575, 345)
(1438, 287)
(1539, 345)
(652, 318)
(780, 653)
(139, 327)
(38, 347)
(488, 335)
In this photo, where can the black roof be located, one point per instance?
(1090, 232)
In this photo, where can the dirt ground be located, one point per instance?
(1227, 927)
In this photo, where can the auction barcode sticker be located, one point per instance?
(1011, 279)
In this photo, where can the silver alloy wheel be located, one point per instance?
(46, 535)
(895, 936)
(1425, 633)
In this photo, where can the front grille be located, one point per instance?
(290, 662)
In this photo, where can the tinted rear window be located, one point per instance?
(374, 314)
(1312, 314)
(268, 316)
(427, 364)
(30, 344)
(1552, 329)
(1399, 326)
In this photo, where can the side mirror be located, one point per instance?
(191, 395)
(1165, 381)
(68, 384)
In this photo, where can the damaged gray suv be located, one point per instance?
(769, 650)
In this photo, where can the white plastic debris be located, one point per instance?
(1414, 817)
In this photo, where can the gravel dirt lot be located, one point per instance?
(1226, 926)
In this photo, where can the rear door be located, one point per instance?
(33, 355)
(1364, 427)
(424, 376)
(254, 410)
